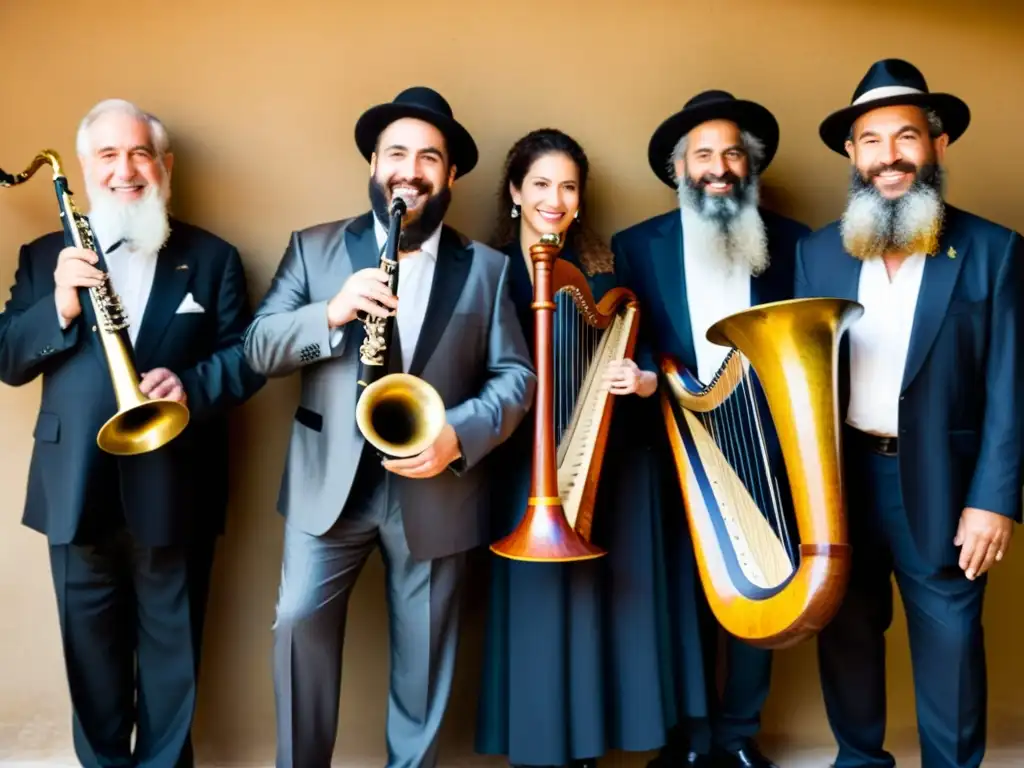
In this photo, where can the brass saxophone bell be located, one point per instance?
(400, 415)
(141, 424)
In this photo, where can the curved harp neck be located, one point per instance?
(568, 278)
(785, 354)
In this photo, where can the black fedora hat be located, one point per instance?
(711, 105)
(425, 104)
(889, 82)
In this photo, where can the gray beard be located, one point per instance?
(726, 229)
(142, 224)
(873, 225)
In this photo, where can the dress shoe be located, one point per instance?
(748, 756)
(694, 759)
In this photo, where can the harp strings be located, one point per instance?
(575, 346)
(737, 428)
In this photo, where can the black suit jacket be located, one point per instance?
(179, 490)
(962, 400)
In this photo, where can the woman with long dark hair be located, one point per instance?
(577, 654)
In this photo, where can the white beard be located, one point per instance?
(741, 241)
(873, 225)
(142, 223)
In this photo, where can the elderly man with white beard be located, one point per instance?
(719, 253)
(131, 538)
(932, 397)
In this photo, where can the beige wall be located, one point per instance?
(261, 99)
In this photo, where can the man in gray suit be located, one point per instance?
(455, 327)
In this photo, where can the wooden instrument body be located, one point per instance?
(754, 591)
(565, 475)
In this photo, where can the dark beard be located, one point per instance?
(414, 233)
(873, 225)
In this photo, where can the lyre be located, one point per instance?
(773, 576)
(575, 338)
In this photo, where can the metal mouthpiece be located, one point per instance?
(550, 238)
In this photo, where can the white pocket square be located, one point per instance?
(188, 304)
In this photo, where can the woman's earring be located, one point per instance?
(577, 215)
(515, 211)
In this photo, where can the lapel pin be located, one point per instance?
(951, 252)
(182, 266)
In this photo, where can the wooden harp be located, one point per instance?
(768, 582)
(575, 338)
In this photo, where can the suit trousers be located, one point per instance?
(131, 620)
(734, 712)
(318, 575)
(944, 625)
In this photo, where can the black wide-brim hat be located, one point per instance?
(887, 83)
(711, 105)
(425, 104)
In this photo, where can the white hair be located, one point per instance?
(157, 130)
(752, 145)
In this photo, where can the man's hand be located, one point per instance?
(433, 461)
(624, 377)
(162, 384)
(984, 538)
(365, 290)
(74, 270)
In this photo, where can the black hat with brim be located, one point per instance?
(711, 105)
(425, 104)
(892, 82)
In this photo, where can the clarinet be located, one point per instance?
(373, 351)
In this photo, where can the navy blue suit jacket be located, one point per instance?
(962, 398)
(649, 260)
(180, 489)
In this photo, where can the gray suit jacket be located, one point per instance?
(471, 349)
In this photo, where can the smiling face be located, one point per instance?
(891, 146)
(895, 201)
(549, 196)
(412, 159)
(127, 180)
(715, 160)
(718, 188)
(122, 161)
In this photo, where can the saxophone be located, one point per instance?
(141, 424)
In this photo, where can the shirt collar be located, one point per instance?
(430, 246)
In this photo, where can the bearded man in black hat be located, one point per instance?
(719, 253)
(456, 328)
(932, 396)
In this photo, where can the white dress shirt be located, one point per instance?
(715, 288)
(415, 278)
(131, 274)
(879, 342)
